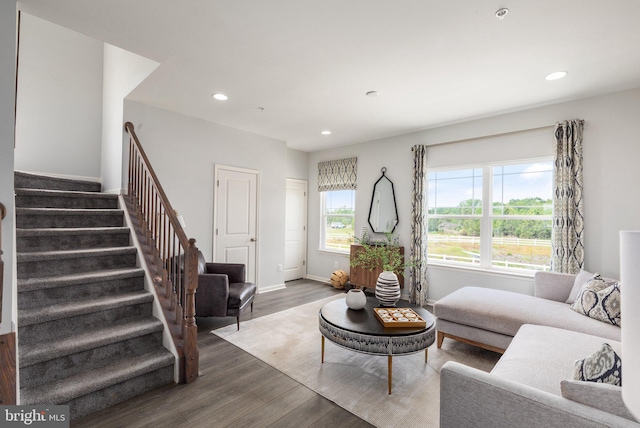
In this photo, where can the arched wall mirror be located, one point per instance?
(383, 213)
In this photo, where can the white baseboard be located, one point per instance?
(65, 176)
(115, 191)
(268, 288)
(317, 278)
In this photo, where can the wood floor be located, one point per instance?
(234, 389)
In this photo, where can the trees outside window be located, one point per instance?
(338, 218)
(493, 216)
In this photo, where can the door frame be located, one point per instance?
(306, 219)
(217, 168)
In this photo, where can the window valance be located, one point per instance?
(338, 174)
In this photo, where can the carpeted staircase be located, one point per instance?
(86, 333)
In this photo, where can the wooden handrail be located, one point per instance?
(174, 255)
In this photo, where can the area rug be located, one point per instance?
(291, 342)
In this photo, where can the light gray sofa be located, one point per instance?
(530, 385)
(490, 318)
(525, 387)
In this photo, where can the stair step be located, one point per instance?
(112, 379)
(44, 198)
(88, 337)
(38, 181)
(31, 218)
(50, 369)
(90, 340)
(71, 238)
(60, 311)
(66, 327)
(36, 292)
(51, 263)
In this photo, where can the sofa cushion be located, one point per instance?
(599, 301)
(602, 396)
(542, 357)
(603, 366)
(504, 312)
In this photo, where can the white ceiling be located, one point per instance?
(309, 63)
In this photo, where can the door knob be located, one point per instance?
(253, 239)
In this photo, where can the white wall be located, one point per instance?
(122, 72)
(7, 116)
(59, 111)
(183, 152)
(611, 176)
(297, 164)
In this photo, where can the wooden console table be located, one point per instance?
(362, 277)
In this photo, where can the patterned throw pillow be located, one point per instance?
(599, 301)
(603, 366)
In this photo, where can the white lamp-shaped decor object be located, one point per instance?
(630, 296)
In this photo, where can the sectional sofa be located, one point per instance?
(540, 337)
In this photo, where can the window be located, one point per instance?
(493, 216)
(337, 187)
(338, 218)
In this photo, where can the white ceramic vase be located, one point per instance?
(356, 299)
(387, 289)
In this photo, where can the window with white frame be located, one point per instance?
(337, 187)
(338, 219)
(492, 216)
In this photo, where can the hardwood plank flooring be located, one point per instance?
(234, 388)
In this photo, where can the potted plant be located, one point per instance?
(385, 254)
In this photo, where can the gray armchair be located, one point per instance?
(222, 290)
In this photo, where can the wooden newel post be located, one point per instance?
(189, 328)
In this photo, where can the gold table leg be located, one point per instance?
(390, 370)
(322, 355)
(426, 354)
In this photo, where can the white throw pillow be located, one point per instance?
(581, 279)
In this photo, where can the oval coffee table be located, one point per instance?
(361, 331)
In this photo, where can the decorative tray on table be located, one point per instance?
(399, 317)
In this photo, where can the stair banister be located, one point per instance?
(175, 255)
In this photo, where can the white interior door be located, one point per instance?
(235, 229)
(295, 230)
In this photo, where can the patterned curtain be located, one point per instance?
(418, 286)
(338, 174)
(568, 215)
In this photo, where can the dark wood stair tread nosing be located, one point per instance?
(50, 313)
(49, 350)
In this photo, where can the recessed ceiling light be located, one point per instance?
(372, 94)
(326, 132)
(220, 97)
(556, 75)
(501, 13)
